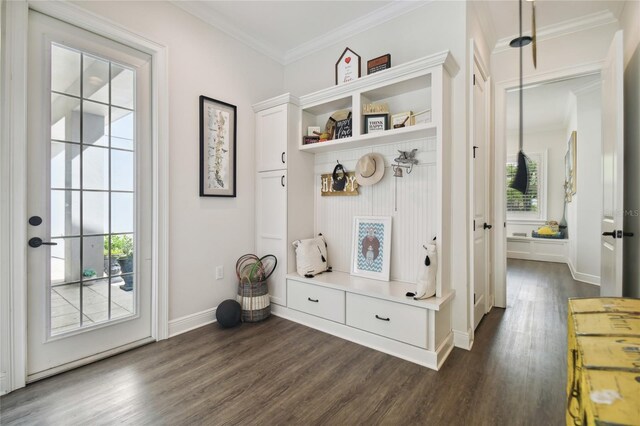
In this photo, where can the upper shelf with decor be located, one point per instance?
(400, 103)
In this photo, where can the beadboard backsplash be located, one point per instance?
(414, 222)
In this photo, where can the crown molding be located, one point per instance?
(357, 26)
(563, 28)
(286, 98)
(200, 10)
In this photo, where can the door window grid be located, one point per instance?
(86, 277)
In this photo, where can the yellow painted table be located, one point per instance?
(603, 362)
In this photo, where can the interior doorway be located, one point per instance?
(558, 218)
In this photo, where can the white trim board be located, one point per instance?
(191, 322)
(14, 166)
(560, 29)
(582, 277)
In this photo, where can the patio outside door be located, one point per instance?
(89, 197)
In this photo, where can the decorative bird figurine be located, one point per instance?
(407, 157)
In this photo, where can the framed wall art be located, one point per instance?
(371, 251)
(217, 148)
(376, 123)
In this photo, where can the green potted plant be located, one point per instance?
(122, 250)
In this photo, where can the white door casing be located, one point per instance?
(612, 170)
(48, 352)
(481, 228)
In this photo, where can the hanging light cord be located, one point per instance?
(521, 130)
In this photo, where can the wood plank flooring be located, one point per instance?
(279, 372)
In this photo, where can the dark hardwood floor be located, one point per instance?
(279, 372)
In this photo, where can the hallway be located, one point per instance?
(279, 372)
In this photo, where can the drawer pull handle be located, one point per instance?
(383, 319)
(312, 300)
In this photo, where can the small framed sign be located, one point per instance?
(376, 123)
(347, 67)
(378, 64)
(343, 128)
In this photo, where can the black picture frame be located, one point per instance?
(218, 131)
(369, 117)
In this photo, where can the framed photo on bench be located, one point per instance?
(371, 247)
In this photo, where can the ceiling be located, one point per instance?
(547, 105)
(289, 30)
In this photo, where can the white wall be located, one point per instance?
(630, 18)
(435, 27)
(204, 232)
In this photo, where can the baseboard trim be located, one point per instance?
(191, 322)
(463, 339)
(582, 277)
(4, 384)
(538, 257)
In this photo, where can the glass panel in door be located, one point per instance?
(91, 196)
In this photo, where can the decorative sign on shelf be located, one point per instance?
(378, 64)
(326, 185)
(382, 108)
(347, 67)
(343, 128)
(376, 123)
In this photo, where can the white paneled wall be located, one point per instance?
(414, 222)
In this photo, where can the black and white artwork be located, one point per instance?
(217, 148)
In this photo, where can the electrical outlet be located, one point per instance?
(219, 272)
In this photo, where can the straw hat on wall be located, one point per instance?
(370, 169)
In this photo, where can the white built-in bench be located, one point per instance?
(377, 314)
(541, 249)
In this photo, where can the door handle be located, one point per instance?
(487, 226)
(383, 319)
(627, 234)
(282, 157)
(612, 234)
(282, 180)
(36, 242)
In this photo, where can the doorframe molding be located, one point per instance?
(13, 169)
(500, 157)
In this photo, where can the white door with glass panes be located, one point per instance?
(271, 224)
(271, 138)
(89, 196)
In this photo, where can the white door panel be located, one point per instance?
(89, 180)
(481, 233)
(612, 170)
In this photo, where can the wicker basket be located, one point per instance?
(254, 299)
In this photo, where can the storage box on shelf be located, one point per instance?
(373, 313)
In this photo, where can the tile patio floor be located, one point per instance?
(65, 304)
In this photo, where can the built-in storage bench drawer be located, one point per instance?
(320, 301)
(389, 319)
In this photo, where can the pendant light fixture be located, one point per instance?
(520, 181)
